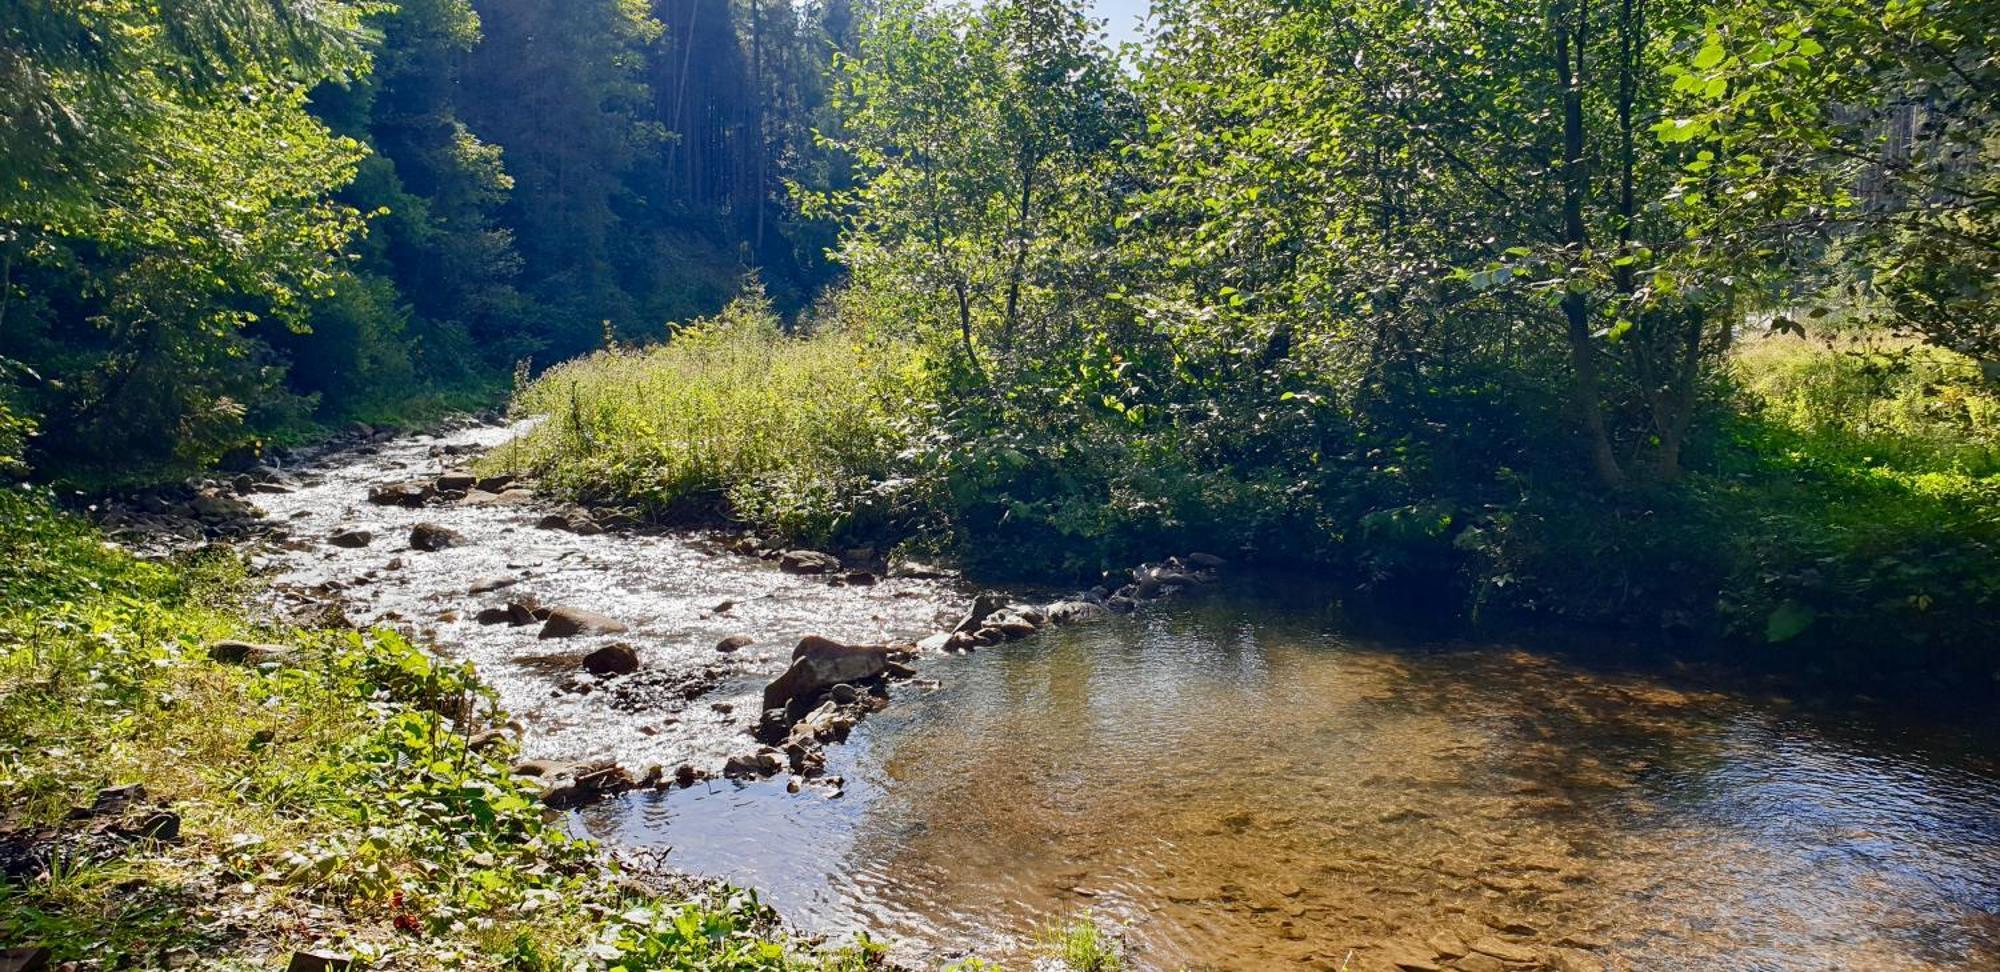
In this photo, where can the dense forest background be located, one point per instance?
(223, 222)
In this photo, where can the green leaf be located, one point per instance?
(1788, 621)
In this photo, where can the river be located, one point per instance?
(1235, 780)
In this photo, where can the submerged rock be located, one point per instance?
(568, 622)
(1070, 612)
(734, 642)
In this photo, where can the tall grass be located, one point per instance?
(1877, 402)
(733, 417)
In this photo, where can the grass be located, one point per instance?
(733, 418)
(326, 801)
(1081, 944)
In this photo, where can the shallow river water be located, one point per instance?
(1231, 779)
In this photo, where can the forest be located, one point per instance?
(1656, 329)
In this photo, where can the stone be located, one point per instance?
(351, 539)
(1206, 561)
(164, 826)
(568, 622)
(522, 613)
(1119, 604)
(1503, 950)
(552, 521)
(936, 642)
(819, 664)
(1075, 611)
(1446, 944)
(456, 482)
(618, 659)
(493, 615)
(492, 582)
(248, 653)
(897, 669)
(807, 562)
(494, 484)
(431, 538)
(764, 762)
(217, 508)
(323, 962)
(1411, 958)
(860, 578)
(844, 694)
(1014, 629)
(1477, 962)
(1572, 960)
(982, 608)
(735, 642)
(412, 494)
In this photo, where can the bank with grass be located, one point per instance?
(1840, 517)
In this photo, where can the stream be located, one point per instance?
(1234, 779)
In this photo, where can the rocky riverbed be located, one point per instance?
(1236, 782)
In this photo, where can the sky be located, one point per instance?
(1121, 17)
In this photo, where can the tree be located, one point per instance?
(164, 189)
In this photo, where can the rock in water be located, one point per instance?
(818, 664)
(619, 659)
(350, 539)
(808, 562)
(983, 607)
(1070, 612)
(431, 538)
(456, 482)
(568, 622)
(492, 582)
(734, 642)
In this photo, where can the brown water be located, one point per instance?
(1237, 785)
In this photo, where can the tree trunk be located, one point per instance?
(1575, 305)
(1019, 266)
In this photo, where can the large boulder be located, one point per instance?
(808, 562)
(818, 664)
(568, 622)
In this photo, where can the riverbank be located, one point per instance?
(188, 782)
(1839, 519)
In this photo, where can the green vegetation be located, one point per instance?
(733, 418)
(1545, 329)
(327, 798)
(1083, 945)
(231, 223)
